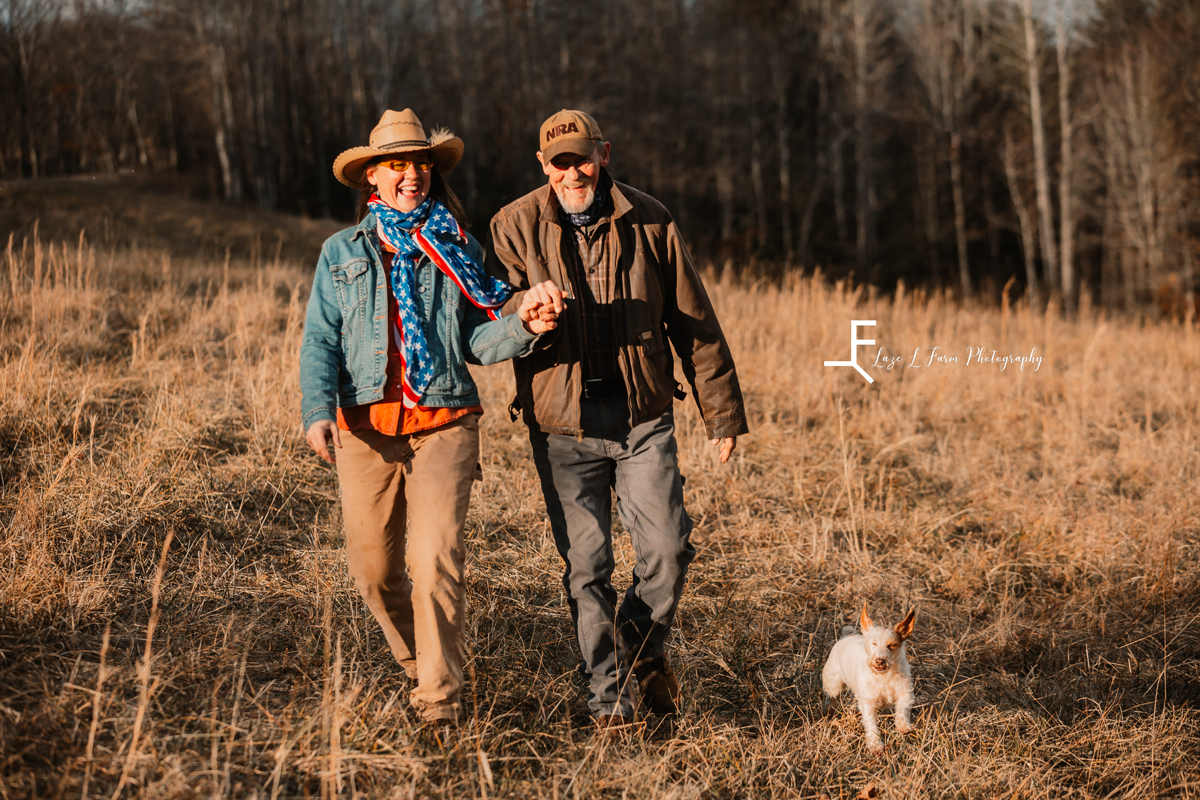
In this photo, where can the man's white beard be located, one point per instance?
(575, 206)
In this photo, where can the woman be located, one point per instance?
(400, 304)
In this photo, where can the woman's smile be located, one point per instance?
(406, 190)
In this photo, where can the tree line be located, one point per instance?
(967, 144)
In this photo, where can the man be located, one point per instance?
(597, 397)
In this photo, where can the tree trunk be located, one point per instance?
(960, 214)
(1129, 259)
(782, 129)
(990, 219)
(953, 97)
(862, 154)
(837, 167)
(1145, 142)
(1024, 218)
(1108, 277)
(756, 171)
(172, 144)
(223, 111)
(725, 198)
(1066, 226)
(138, 139)
(25, 106)
(810, 209)
(1049, 251)
(1189, 280)
(927, 186)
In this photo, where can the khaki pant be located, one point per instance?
(416, 596)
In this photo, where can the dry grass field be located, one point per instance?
(176, 619)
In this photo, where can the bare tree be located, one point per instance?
(206, 20)
(30, 26)
(1066, 167)
(779, 80)
(834, 134)
(947, 41)
(863, 54)
(1140, 170)
(1041, 170)
(1024, 218)
(757, 184)
(927, 189)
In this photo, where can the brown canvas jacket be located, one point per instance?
(657, 296)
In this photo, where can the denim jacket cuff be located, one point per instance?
(317, 414)
(521, 334)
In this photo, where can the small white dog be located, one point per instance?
(873, 666)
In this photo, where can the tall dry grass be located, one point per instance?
(176, 618)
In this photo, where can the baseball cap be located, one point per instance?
(569, 132)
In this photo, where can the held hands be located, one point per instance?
(540, 308)
(319, 435)
(727, 445)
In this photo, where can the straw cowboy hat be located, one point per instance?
(397, 132)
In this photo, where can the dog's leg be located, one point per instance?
(904, 704)
(832, 683)
(871, 726)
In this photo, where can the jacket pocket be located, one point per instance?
(349, 280)
(651, 341)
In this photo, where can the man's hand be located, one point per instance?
(318, 436)
(727, 445)
(540, 308)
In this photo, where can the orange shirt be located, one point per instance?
(389, 416)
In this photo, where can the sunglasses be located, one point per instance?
(565, 162)
(402, 165)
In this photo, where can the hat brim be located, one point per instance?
(350, 166)
(579, 147)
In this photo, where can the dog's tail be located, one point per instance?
(847, 630)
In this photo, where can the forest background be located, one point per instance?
(948, 143)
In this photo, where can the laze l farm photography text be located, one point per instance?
(939, 356)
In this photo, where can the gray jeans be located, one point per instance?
(577, 476)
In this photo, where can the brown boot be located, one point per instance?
(439, 732)
(439, 725)
(658, 687)
(612, 726)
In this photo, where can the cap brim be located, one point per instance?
(350, 166)
(579, 147)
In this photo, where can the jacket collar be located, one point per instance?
(550, 207)
(366, 227)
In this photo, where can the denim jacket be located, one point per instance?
(343, 359)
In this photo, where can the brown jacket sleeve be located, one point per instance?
(504, 259)
(696, 335)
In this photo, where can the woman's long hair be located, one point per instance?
(438, 189)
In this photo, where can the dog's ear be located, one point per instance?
(904, 627)
(864, 622)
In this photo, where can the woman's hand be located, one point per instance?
(318, 436)
(540, 308)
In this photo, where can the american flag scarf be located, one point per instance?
(429, 230)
